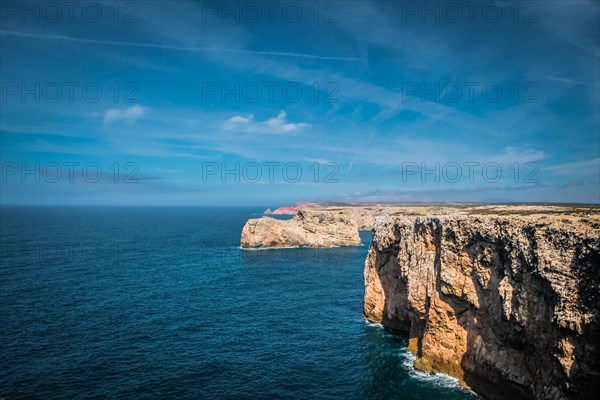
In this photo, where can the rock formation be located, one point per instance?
(507, 303)
(292, 210)
(363, 213)
(285, 211)
(306, 228)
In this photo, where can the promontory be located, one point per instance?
(506, 298)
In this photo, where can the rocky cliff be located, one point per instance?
(507, 303)
(306, 228)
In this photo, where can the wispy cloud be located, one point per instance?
(578, 168)
(462, 194)
(570, 184)
(276, 124)
(567, 80)
(174, 47)
(514, 155)
(129, 114)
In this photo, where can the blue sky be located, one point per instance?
(269, 103)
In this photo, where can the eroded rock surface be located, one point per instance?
(306, 228)
(506, 303)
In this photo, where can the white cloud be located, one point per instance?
(238, 121)
(513, 155)
(589, 167)
(129, 114)
(276, 124)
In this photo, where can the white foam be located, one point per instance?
(439, 379)
(377, 324)
(408, 359)
(271, 248)
(293, 247)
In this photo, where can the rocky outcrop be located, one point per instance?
(508, 304)
(363, 214)
(306, 228)
(292, 210)
(285, 211)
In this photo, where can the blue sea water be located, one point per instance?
(124, 302)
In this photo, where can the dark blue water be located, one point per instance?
(162, 303)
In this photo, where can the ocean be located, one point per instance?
(159, 302)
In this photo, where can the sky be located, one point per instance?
(266, 103)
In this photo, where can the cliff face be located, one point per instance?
(306, 228)
(507, 304)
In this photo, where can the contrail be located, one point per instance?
(173, 47)
(385, 118)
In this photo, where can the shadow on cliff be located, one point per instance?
(395, 314)
(513, 342)
(586, 375)
(398, 315)
(496, 346)
(505, 352)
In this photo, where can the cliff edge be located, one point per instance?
(508, 304)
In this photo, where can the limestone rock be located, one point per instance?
(509, 304)
(306, 228)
